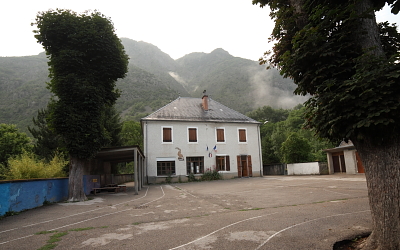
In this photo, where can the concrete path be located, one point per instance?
(274, 212)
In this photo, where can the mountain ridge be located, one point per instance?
(153, 80)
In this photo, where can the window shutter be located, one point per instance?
(167, 135)
(242, 135)
(192, 135)
(250, 165)
(220, 135)
(228, 164)
(239, 166)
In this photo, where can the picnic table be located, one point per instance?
(110, 187)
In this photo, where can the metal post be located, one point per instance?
(135, 161)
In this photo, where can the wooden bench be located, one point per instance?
(116, 189)
(122, 188)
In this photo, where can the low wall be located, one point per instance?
(308, 168)
(123, 178)
(274, 169)
(19, 195)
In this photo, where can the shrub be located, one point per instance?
(210, 175)
(27, 166)
(191, 177)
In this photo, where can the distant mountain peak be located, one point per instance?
(220, 51)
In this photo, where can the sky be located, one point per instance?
(177, 27)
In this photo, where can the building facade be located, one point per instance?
(195, 135)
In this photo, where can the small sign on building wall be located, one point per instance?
(94, 180)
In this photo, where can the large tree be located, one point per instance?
(85, 60)
(336, 52)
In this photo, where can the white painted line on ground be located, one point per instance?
(186, 192)
(222, 228)
(72, 215)
(335, 215)
(8, 230)
(86, 219)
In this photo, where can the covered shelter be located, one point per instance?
(104, 166)
(344, 159)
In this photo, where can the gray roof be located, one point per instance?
(190, 109)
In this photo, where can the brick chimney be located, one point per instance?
(205, 101)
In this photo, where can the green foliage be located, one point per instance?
(211, 175)
(112, 125)
(191, 177)
(273, 135)
(86, 59)
(131, 134)
(269, 114)
(295, 149)
(326, 48)
(27, 166)
(126, 167)
(168, 179)
(47, 143)
(12, 143)
(238, 83)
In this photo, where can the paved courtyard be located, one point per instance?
(272, 212)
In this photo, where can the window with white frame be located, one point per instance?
(242, 133)
(192, 134)
(165, 168)
(166, 134)
(195, 165)
(220, 133)
(222, 163)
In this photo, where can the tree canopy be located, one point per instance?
(85, 60)
(12, 143)
(336, 52)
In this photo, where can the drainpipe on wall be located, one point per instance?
(259, 151)
(146, 158)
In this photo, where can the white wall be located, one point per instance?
(350, 160)
(155, 148)
(303, 168)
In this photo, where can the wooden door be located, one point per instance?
(336, 163)
(245, 170)
(360, 167)
(250, 166)
(239, 166)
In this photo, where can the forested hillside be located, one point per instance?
(153, 80)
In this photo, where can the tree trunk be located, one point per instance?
(75, 185)
(382, 171)
(367, 36)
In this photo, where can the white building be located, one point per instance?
(194, 135)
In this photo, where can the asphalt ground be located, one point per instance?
(273, 212)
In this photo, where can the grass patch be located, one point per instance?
(136, 223)
(56, 237)
(81, 229)
(45, 232)
(250, 209)
(48, 247)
